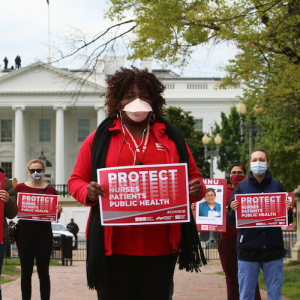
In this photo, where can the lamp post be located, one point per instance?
(212, 154)
(241, 110)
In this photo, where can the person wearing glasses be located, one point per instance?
(7, 195)
(34, 238)
(210, 208)
(227, 242)
(259, 247)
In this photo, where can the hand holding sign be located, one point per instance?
(94, 191)
(59, 209)
(4, 196)
(195, 188)
(234, 205)
(288, 204)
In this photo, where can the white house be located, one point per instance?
(51, 110)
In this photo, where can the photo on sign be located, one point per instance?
(210, 209)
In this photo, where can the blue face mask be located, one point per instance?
(258, 167)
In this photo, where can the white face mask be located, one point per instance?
(137, 110)
(258, 167)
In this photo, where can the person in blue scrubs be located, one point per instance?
(210, 208)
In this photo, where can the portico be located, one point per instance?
(23, 95)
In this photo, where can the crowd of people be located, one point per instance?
(138, 262)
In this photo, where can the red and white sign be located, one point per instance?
(37, 207)
(291, 226)
(261, 210)
(209, 218)
(145, 194)
(2, 187)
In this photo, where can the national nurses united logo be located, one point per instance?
(160, 147)
(146, 193)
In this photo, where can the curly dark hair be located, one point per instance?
(123, 80)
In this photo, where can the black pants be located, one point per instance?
(138, 277)
(34, 241)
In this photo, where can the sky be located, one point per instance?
(24, 32)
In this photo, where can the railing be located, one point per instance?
(62, 189)
(289, 240)
(78, 253)
(210, 249)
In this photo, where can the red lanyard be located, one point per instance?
(138, 151)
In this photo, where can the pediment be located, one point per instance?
(46, 79)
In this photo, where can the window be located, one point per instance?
(199, 125)
(47, 178)
(196, 86)
(7, 166)
(45, 130)
(83, 129)
(170, 86)
(6, 130)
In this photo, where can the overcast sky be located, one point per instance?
(24, 32)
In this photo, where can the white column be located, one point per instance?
(19, 144)
(60, 146)
(101, 115)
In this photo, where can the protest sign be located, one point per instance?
(261, 210)
(2, 187)
(37, 207)
(144, 194)
(210, 213)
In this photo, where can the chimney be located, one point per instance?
(147, 64)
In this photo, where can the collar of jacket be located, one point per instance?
(156, 126)
(267, 179)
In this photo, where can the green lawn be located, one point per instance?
(291, 282)
(10, 267)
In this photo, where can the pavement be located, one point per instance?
(69, 283)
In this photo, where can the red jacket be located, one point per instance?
(81, 176)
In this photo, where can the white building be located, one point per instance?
(43, 108)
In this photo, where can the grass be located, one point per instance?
(11, 268)
(291, 283)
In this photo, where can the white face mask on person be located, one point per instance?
(258, 167)
(36, 176)
(137, 110)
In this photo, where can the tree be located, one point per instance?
(230, 133)
(185, 122)
(169, 30)
(231, 148)
(284, 159)
(272, 82)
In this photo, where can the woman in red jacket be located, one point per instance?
(134, 262)
(227, 243)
